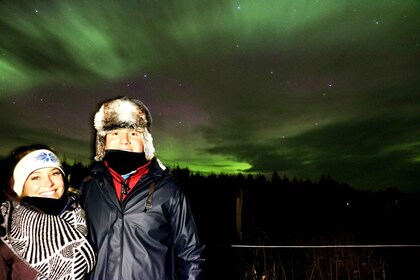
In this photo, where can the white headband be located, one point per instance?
(33, 161)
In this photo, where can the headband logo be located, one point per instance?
(46, 157)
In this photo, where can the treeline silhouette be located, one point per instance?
(255, 210)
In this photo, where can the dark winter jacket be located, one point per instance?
(136, 242)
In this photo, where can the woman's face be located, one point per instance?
(45, 182)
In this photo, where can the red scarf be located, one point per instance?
(131, 181)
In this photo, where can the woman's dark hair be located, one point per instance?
(7, 192)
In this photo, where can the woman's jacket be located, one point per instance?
(139, 240)
(12, 267)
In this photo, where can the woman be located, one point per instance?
(43, 234)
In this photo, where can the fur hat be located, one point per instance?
(123, 112)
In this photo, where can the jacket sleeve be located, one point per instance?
(188, 248)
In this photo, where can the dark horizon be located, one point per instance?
(251, 210)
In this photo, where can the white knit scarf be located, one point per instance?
(55, 246)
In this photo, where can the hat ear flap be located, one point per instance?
(149, 149)
(100, 147)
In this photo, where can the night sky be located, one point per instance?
(301, 87)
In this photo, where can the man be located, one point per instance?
(140, 221)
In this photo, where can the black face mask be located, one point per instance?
(49, 206)
(124, 162)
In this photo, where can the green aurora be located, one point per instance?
(304, 88)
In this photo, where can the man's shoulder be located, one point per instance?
(87, 179)
(168, 181)
(97, 169)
